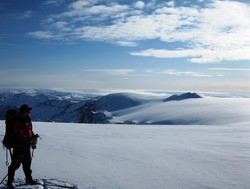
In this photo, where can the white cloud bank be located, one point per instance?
(218, 31)
(199, 55)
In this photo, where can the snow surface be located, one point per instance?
(141, 157)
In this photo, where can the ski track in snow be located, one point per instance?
(141, 157)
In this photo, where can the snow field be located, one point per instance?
(141, 157)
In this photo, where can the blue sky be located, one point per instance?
(199, 45)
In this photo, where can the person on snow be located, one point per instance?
(24, 140)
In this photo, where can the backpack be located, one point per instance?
(11, 117)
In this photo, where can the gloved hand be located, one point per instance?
(33, 142)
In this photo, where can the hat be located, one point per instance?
(24, 108)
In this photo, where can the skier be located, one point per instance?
(24, 140)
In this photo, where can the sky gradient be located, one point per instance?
(200, 45)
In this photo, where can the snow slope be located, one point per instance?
(142, 157)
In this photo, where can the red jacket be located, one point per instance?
(23, 132)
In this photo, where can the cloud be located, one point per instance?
(133, 30)
(199, 55)
(139, 5)
(53, 3)
(27, 14)
(189, 73)
(126, 43)
(81, 4)
(62, 26)
(122, 72)
(152, 72)
(85, 11)
(171, 3)
(208, 32)
(41, 35)
(231, 69)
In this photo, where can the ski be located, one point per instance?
(43, 183)
(61, 186)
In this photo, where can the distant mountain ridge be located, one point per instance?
(183, 96)
(72, 107)
(68, 107)
(127, 107)
(117, 101)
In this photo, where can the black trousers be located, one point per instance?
(21, 155)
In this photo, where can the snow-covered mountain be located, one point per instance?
(118, 101)
(127, 107)
(48, 105)
(183, 96)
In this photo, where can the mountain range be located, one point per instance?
(126, 107)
